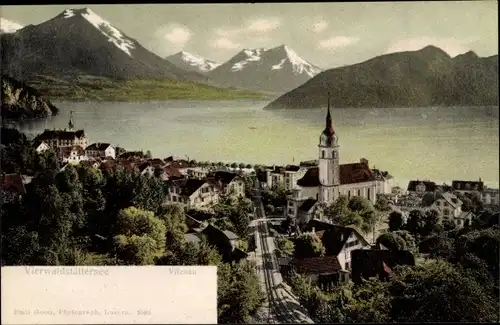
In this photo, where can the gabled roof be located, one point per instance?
(98, 146)
(307, 205)
(292, 168)
(61, 134)
(333, 237)
(451, 198)
(172, 171)
(349, 174)
(188, 186)
(429, 186)
(38, 142)
(467, 185)
(317, 265)
(224, 177)
(12, 183)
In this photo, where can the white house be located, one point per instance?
(197, 172)
(72, 155)
(491, 196)
(449, 208)
(41, 146)
(100, 150)
(228, 183)
(191, 193)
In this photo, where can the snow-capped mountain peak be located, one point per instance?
(112, 33)
(7, 26)
(193, 60)
(280, 56)
(248, 55)
(299, 64)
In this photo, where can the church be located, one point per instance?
(324, 183)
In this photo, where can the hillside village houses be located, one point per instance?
(101, 150)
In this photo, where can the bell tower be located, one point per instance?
(328, 162)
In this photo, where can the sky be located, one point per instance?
(326, 34)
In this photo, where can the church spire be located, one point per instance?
(329, 122)
(71, 124)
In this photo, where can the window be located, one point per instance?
(347, 265)
(446, 212)
(359, 192)
(322, 153)
(369, 194)
(348, 194)
(334, 154)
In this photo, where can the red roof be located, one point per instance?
(172, 171)
(317, 265)
(13, 183)
(349, 174)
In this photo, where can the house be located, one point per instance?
(367, 263)
(385, 181)
(191, 193)
(12, 184)
(91, 163)
(168, 173)
(468, 186)
(338, 241)
(101, 150)
(197, 172)
(449, 207)
(63, 138)
(421, 187)
(292, 174)
(147, 169)
(228, 183)
(72, 155)
(325, 271)
(304, 210)
(233, 238)
(223, 242)
(41, 146)
(491, 196)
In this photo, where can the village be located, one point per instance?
(302, 194)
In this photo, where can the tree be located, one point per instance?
(392, 241)
(395, 221)
(439, 292)
(416, 222)
(248, 166)
(234, 165)
(438, 246)
(359, 204)
(140, 236)
(174, 220)
(285, 245)
(241, 165)
(308, 245)
(238, 292)
(338, 210)
(409, 240)
(382, 204)
(431, 223)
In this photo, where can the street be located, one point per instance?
(281, 305)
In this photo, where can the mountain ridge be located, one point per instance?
(426, 77)
(277, 69)
(81, 42)
(192, 62)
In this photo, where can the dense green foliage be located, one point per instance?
(357, 211)
(83, 216)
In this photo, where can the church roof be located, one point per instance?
(349, 174)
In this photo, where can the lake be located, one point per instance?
(437, 143)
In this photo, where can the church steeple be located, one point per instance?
(328, 136)
(71, 123)
(329, 122)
